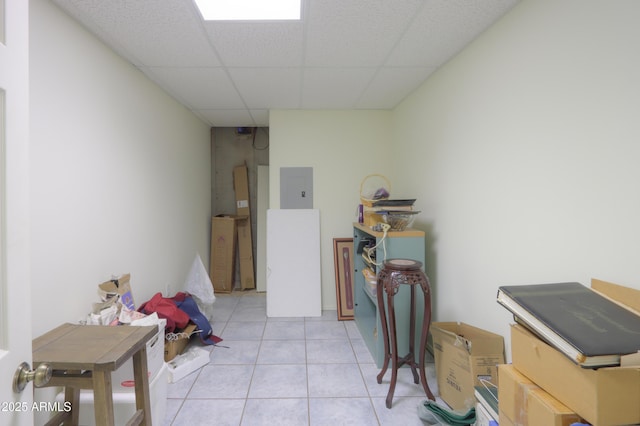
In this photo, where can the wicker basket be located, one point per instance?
(373, 181)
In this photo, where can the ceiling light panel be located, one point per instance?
(249, 10)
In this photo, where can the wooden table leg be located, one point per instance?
(426, 323)
(411, 357)
(394, 348)
(141, 379)
(103, 398)
(382, 280)
(72, 395)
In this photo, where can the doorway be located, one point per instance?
(231, 148)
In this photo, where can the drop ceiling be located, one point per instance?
(342, 54)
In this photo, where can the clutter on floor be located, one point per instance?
(187, 362)
(169, 357)
(548, 382)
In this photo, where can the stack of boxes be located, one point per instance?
(231, 234)
(522, 402)
(544, 387)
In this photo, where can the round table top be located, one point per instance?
(402, 264)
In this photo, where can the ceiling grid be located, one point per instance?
(357, 54)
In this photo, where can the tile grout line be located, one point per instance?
(306, 368)
(355, 346)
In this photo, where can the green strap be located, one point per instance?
(449, 417)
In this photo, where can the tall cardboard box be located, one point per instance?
(245, 254)
(223, 251)
(464, 355)
(241, 188)
(524, 403)
(245, 240)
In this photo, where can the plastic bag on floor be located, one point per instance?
(198, 285)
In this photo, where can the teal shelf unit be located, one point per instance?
(408, 244)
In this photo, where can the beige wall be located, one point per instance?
(342, 147)
(120, 174)
(524, 151)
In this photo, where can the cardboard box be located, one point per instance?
(543, 409)
(245, 239)
(121, 287)
(606, 396)
(522, 402)
(175, 347)
(245, 254)
(241, 188)
(463, 355)
(512, 389)
(504, 420)
(223, 253)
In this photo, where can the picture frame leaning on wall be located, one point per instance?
(343, 261)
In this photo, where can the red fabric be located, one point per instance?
(180, 296)
(167, 309)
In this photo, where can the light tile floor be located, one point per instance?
(289, 371)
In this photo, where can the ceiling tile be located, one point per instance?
(444, 27)
(334, 88)
(260, 117)
(265, 44)
(227, 117)
(198, 88)
(146, 34)
(355, 33)
(341, 55)
(268, 87)
(391, 85)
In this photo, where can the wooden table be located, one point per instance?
(83, 357)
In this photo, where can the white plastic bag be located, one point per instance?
(200, 287)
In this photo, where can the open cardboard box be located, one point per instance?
(606, 396)
(464, 355)
(173, 348)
